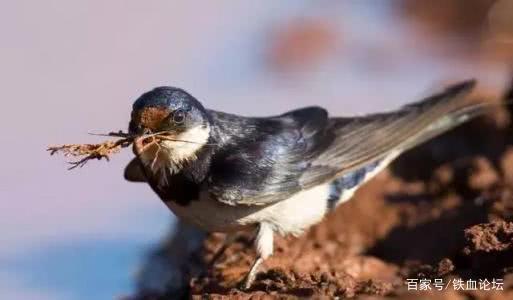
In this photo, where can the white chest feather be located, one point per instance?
(290, 216)
(171, 155)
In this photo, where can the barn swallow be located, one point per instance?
(279, 174)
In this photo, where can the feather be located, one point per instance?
(363, 140)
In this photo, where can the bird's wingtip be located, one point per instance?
(462, 87)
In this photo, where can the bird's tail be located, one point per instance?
(363, 140)
(459, 115)
(447, 122)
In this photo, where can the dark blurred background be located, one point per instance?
(73, 67)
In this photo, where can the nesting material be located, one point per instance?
(87, 152)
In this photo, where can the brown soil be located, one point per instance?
(442, 211)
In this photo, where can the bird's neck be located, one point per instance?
(180, 182)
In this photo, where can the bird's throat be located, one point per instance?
(170, 156)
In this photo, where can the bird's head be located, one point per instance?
(179, 116)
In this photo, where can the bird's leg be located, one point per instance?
(264, 248)
(228, 240)
(250, 277)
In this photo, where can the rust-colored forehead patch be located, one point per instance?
(150, 117)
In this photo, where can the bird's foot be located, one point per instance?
(246, 283)
(250, 277)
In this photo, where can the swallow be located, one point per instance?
(275, 175)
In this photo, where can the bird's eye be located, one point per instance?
(178, 116)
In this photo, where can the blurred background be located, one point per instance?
(73, 67)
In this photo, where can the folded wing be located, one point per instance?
(363, 140)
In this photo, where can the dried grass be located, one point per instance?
(104, 150)
(93, 151)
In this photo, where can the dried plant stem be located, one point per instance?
(90, 151)
(97, 151)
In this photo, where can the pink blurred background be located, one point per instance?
(73, 67)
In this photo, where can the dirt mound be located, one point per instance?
(489, 237)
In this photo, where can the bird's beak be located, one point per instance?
(138, 146)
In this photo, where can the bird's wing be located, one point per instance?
(265, 166)
(308, 148)
(363, 140)
(134, 172)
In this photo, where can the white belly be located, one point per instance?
(290, 216)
